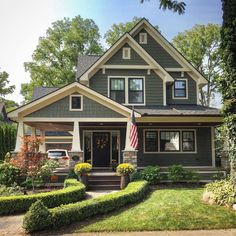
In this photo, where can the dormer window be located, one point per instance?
(76, 102)
(143, 38)
(126, 53)
(180, 90)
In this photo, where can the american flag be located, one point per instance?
(133, 136)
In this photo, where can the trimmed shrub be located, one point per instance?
(125, 169)
(66, 214)
(74, 192)
(176, 173)
(136, 176)
(151, 174)
(223, 192)
(9, 174)
(38, 217)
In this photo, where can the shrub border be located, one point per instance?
(67, 214)
(73, 192)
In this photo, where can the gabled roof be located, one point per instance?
(144, 23)
(66, 91)
(84, 62)
(126, 38)
(39, 92)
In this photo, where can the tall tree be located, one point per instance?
(117, 30)
(173, 5)
(54, 60)
(200, 45)
(227, 83)
(4, 88)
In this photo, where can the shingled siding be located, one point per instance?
(203, 157)
(153, 83)
(135, 59)
(192, 90)
(158, 52)
(60, 108)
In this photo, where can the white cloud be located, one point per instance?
(21, 24)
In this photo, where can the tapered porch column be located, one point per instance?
(33, 131)
(42, 146)
(129, 153)
(20, 135)
(76, 138)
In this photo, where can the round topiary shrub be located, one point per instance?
(37, 218)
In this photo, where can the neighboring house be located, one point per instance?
(3, 113)
(143, 71)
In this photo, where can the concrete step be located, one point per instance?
(104, 187)
(104, 182)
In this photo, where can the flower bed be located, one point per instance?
(73, 192)
(66, 214)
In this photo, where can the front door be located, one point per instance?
(101, 149)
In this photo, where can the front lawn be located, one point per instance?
(166, 209)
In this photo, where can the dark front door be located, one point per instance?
(101, 149)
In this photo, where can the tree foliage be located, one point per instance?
(7, 139)
(227, 83)
(117, 30)
(200, 45)
(173, 5)
(55, 58)
(4, 88)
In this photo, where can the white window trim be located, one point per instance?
(143, 36)
(180, 143)
(126, 78)
(124, 50)
(76, 95)
(173, 89)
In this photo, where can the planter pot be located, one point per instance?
(125, 179)
(84, 180)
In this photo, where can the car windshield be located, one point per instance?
(57, 153)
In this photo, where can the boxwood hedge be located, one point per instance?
(66, 214)
(73, 192)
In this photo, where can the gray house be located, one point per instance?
(143, 71)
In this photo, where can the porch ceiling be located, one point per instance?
(53, 126)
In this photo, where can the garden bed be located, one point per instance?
(73, 192)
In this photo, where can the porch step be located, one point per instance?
(103, 181)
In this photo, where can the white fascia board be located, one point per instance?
(77, 87)
(168, 47)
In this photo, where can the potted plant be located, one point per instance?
(124, 170)
(82, 170)
(114, 164)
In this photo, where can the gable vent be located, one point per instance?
(143, 38)
(126, 53)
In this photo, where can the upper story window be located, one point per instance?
(117, 89)
(127, 90)
(143, 38)
(126, 53)
(180, 89)
(135, 90)
(76, 103)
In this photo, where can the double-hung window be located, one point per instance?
(135, 90)
(127, 90)
(188, 141)
(117, 89)
(169, 141)
(151, 141)
(180, 88)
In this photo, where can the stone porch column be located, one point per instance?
(76, 147)
(20, 135)
(42, 147)
(129, 153)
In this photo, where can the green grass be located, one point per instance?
(165, 209)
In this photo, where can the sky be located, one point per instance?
(22, 22)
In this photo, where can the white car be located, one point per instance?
(59, 155)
